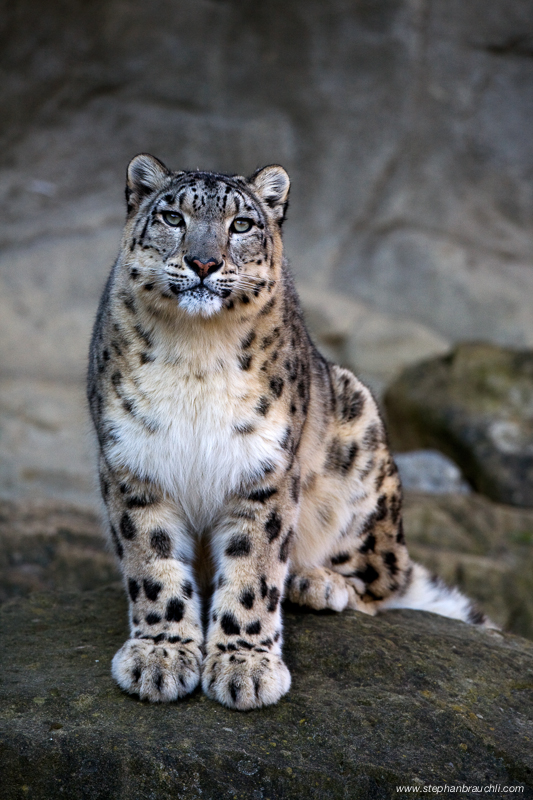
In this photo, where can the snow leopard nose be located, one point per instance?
(202, 268)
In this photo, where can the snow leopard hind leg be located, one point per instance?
(350, 551)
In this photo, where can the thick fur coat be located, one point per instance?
(236, 464)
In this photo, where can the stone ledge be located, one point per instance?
(375, 702)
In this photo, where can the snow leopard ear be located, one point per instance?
(272, 184)
(146, 175)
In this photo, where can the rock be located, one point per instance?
(476, 406)
(51, 545)
(430, 471)
(46, 447)
(484, 548)
(48, 302)
(406, 698)
(432, 243)
(405, 130)
(375, 346)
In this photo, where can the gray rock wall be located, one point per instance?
(405, 126)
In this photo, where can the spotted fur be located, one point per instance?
(236, 463)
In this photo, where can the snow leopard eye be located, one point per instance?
(173, 218)
(241, 225)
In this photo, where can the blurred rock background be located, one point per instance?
(406, 128)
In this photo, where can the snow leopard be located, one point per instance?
(237, 465)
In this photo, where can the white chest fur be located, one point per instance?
(192, 450)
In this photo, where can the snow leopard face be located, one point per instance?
(204, 241)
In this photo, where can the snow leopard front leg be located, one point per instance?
(244, 668)
(161, 660)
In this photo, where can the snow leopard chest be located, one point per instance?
(198, 437)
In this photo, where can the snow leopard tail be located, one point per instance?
(425, 591)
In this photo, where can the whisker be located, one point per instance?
(256, 278)
(249, 285)
(245, 281)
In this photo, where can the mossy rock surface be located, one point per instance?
(476, 406)
(484, 548)
(375, 703)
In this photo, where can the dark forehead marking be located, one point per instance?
(244, 199)
(212, 179)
